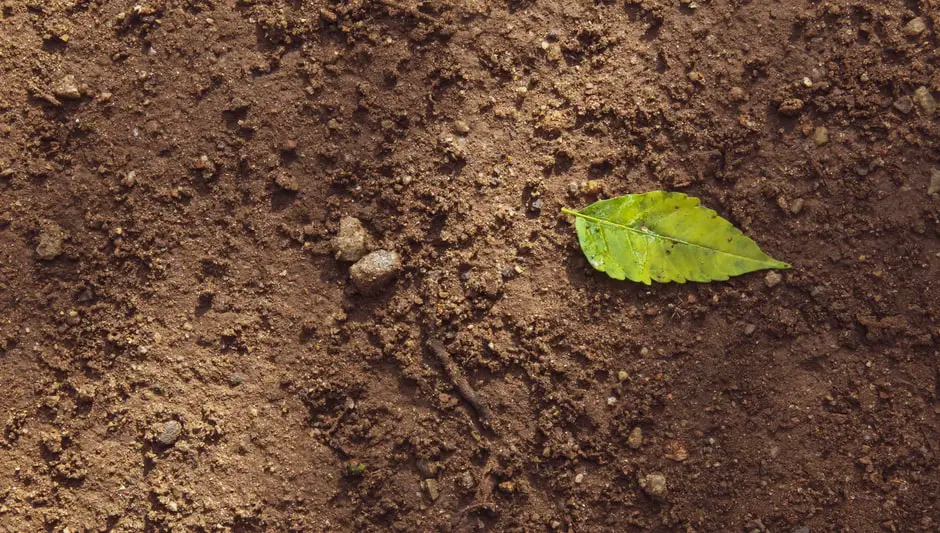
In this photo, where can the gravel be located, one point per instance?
(373, 271)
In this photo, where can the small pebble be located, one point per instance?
(579, 478)
(430, 487)
(171, 433)
(925, 101)
(773, 278)
(461, 127)
(914, 28)
(750, 329)
(67, 89)
(352, 241)
(797, 206)
(904, 104)
(934, 186)
(821, 136)
(622, 375)
(635, 440)
(655, 486)
(130, 179)
(375, 270)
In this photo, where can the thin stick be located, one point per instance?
(483, 410)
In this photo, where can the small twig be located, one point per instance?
(453, 371)
(43, 95)
(395, 5)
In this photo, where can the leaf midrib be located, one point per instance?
(657, 235)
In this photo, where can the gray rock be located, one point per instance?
(925, 101)
(171, 433)
(373, 271)
(352, 241)
(635, 440)
(934, 186)
(51, 238)
(914, 28)
(655, 486)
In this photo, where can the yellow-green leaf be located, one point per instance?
(665, 236)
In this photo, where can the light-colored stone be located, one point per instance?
(170, 433)
(67, 88)
(430, 488)
(925, 101)
(821, 136)
(655, 486)
(934, 186)
(773, 278)
(914, 28)
(635, 440)
(352, 241)
(373, 271)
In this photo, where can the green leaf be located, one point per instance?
(665, 236)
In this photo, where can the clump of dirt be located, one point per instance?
(182, 349)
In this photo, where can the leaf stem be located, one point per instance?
(571, 212)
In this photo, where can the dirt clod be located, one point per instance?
(375, 270)
(51, 239)
(772, 279)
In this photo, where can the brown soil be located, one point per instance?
(173, 173)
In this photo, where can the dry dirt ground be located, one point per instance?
(180, 350)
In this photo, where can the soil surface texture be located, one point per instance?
(299, 265)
